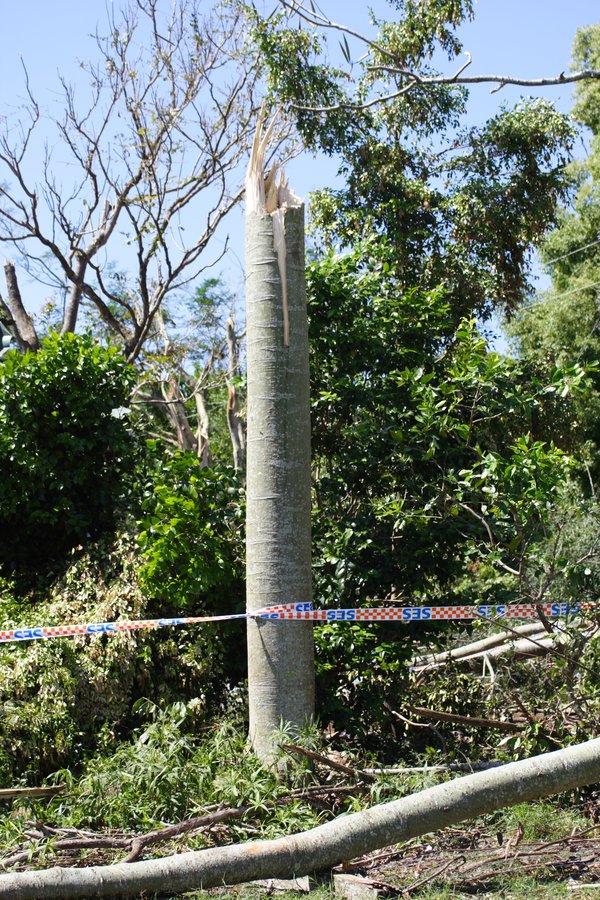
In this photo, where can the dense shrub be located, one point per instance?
(65, 447)
(191, 536)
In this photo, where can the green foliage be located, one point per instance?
(66, 447)
(560, 327)
(358, 667)
(167, 772)
(461, 206)
(191, 535)
(418, 462)
(429, 466)
(63, 700)
(586, 55)
(291, 72)
(423, 26)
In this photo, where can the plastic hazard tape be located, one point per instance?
(305, 612)
(54, 631)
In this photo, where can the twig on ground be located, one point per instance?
(452, 863)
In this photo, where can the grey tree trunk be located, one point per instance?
(235, 419)
(21, 323)
(278, 563)
(328, 845)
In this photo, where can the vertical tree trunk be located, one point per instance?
(22, 323)
(235, 421)
(278, 567)
(202, 430)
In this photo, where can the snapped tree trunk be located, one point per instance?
(328, 845)
(278, 564)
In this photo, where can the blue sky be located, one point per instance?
(521, 37)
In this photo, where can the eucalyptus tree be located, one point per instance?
(462, 205)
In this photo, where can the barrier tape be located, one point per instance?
(43, 632)
(305, 612)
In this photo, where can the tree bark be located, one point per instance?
(235, 421)
(202, 428)
(278, 536)
(25, 333)
(176, 413)
(328, 845)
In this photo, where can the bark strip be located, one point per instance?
(321, 848)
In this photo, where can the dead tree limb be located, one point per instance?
(31, 793)
(472, 721)
(327, 845)
(235, 419)
(326, 761)
(475, 647)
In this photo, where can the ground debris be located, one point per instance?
(470, 863)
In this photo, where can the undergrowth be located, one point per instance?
(169, 772)
(63, 701)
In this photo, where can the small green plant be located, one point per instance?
(169, 772)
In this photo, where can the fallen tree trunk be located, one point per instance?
(321, 848)
(534, 645)
(477, 647)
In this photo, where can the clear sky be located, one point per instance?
(520, 37)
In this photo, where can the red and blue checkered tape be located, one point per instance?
(304, 612)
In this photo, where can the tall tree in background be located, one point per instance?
(461, 205)
(138, 174)
(278, 533)
(562, 324)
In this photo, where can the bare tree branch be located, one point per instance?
(156, 160)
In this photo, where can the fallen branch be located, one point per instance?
(327, 845)
(472, 721)
(171, 831)
(31, 793)
(326, 761)
(449, 767)
(538, 644)
(135, 844)
(452, 863)
(474, 647)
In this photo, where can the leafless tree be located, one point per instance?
(138, 172)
